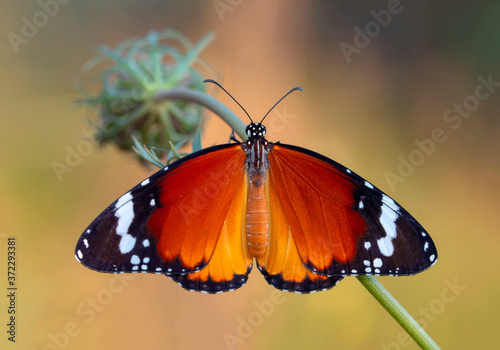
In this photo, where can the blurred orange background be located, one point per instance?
(368, 100)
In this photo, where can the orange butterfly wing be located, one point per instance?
(282, 266)
(185, 221)
(340, 223)
(230, 263)
(194, 200)
(316, 200)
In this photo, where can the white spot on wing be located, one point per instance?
(87, 243)
(145, 182)
(385, 246)
(377, 262)
(135, 260)
(79, 253)
(348, 171)
(388, 218)
(361, 205)
(426, 246)
(125, 214)
(432, 257)
(369, 185)
(367, 245)
(145, 260)
(152, 203)
(127, 243)
(145, 243)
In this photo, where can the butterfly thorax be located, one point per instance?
(257, 216)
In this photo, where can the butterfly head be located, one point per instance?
(255, 131)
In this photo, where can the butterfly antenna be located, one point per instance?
(288, 93)
(219, 85)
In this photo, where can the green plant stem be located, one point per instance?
(207, 101)
(369, 282)
(397, 312)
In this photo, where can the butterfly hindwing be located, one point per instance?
(282, 266)
(343, 225)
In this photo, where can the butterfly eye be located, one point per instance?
(249, 130)
(262, 130)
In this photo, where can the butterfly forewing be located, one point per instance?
(118, 239)
(171, 222)
(194, 202)
(342, 224)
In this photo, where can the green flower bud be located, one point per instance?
(141, 68)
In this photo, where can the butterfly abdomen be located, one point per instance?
(257, 220)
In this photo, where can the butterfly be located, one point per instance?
(306, 220)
